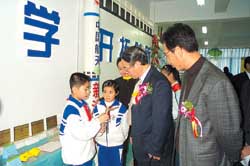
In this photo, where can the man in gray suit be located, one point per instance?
(208, 126)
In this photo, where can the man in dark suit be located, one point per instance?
(152, 121)
(239, 79)
(245, 106)
(208, 125)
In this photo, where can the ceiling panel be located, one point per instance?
(231, 33)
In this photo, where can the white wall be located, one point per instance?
(34, 88)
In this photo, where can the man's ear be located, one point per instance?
(178, 50)
(74, 89)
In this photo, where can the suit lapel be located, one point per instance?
(246, 76)
(148, 76)
(147, 79)
(198, 84)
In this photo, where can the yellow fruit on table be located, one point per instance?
(34, 152)
(24, 156)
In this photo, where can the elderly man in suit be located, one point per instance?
(152, 122)
(208, 126)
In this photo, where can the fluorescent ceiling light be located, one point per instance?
(200, 2)
(205, 43)
(204, 29)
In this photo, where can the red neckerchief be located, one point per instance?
(88, 112)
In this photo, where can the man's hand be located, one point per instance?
(154, 157)
(131, 140)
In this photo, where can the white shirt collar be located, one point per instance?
(108, 104)
(145, 74)
(248, 74)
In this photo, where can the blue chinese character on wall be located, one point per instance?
(97, 24)
(148, 52)
(106, 44)
(29, 10)
(124, 44)
(137, 44)
(97, 52)
(97, 36)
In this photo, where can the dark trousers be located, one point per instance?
(150, 163)
(141, 156)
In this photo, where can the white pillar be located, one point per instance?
(88, 58)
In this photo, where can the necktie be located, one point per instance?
(132, 99)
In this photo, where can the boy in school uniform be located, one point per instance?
(78, 127)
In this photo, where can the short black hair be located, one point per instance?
(111, 83)
(171, 69)
(78, 79)
(246, 61)
(180, 35)
(226, 69)
(133, 54)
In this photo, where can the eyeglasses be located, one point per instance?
(170, 51)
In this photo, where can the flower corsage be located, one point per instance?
(187, 109)
(144, 89)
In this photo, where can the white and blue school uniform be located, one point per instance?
(110, 143)
(77, 131)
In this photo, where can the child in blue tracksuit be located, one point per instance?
(113, 134)
(78, 127)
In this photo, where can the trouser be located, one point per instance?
(110, 156)
(88, 163)
(141, 156)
